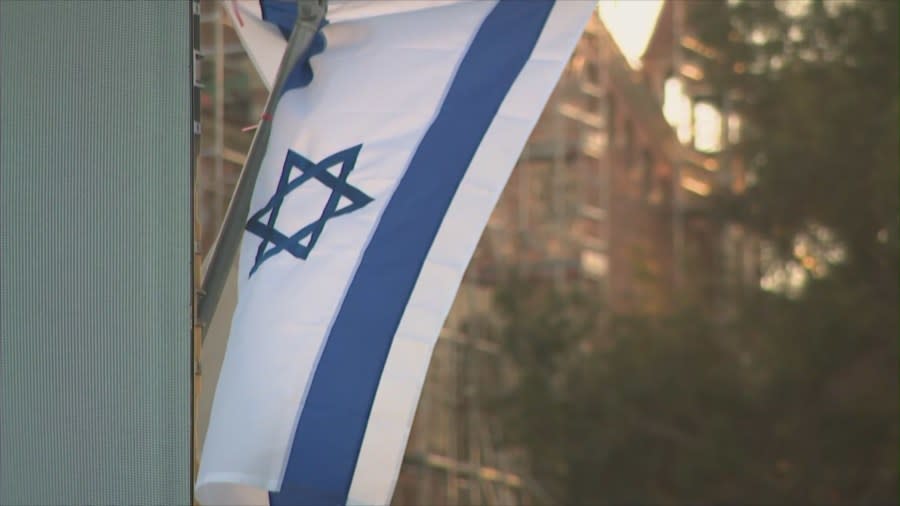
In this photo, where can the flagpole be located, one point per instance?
(310, 14)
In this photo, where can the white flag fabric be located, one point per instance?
(388, 151)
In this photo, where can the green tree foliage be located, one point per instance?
(794, 399)
(816, 86)
(789, 404)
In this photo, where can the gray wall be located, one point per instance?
(95, 252)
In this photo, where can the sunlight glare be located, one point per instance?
(630, 22)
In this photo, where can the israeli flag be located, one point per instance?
(388, 152)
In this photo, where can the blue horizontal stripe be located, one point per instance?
(333, 421)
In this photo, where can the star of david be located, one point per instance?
(274, 241)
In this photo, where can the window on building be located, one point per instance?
(677, 108)
(707, 127)
(591, 71)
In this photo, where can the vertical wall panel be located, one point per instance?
(95, 252)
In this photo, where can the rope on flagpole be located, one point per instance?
(310, 14)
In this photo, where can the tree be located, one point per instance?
(677, 409)
(794, 399)
(816, 86)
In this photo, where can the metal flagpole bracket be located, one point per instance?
(310, 14)
(198, 57)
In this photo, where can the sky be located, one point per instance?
(630, 22)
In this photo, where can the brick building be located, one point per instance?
(614, 183)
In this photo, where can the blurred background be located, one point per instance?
(687, 293)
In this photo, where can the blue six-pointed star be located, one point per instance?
(274, 241)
